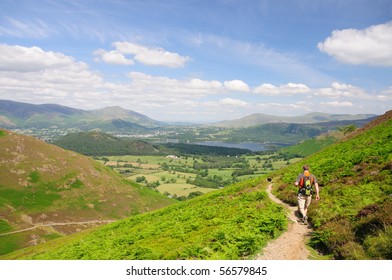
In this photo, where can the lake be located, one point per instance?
(254, 147)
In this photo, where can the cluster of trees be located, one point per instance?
(152, 185)
(220, 162)
(99, 144)
(192, 149)
(213, 182)
(183, 197)
(242, 172)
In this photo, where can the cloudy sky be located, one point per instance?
(199, 60)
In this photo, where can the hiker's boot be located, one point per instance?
(305, 220)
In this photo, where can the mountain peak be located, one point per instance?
(23, 115)
(108, 108)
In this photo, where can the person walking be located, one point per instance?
(305, 182)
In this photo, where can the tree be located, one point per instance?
(347, 129)
(194, 194)
(140, 179)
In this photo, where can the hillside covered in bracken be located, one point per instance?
(353, 219)
(47, 192)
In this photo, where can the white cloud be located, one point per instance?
(288, 89)
(232, 102)
(31, 74)
(38, 76)
(145, 55)
(385, 94)
(173, 87)
(112, 57)
(338, 104)
(368, 46)
(338, 90)
(201, 84)
(236, 85)
(23, 59)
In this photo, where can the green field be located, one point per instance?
(181, 189)
(173, 175)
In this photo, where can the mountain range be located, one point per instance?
(116, 119)
(23, 115)
(310, 118)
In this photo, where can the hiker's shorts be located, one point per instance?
(304, 201)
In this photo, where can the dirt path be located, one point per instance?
(59, 224)
(291, 244)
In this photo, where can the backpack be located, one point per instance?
(306, 184)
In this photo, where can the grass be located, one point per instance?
(26, 199)
(181, 189)
(10, 243)
(154, 160)
(310, 146)
(227, 224)
(4, 226)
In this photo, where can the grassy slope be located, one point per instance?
(310, 146)
(227, 224)
(353, 219)
(41, 183)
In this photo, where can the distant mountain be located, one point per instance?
(23, 115)
(288, 133)
(25, 111)
(259, 119)
(42, 184)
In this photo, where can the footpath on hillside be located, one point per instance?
(291, 244)
(58, 224)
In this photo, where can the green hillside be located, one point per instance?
(289, 133)
(310, 146)
(353, 219)
(103, 144)
(228, 224)
(42, 184)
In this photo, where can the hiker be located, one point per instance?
(305, 182)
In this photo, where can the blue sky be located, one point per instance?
(199, 60)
